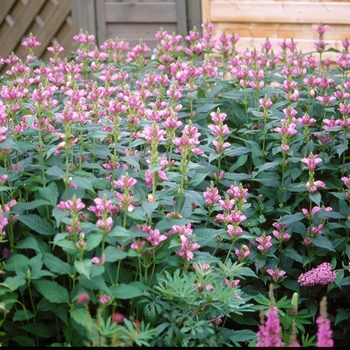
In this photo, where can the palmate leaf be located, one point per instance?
(52, 291)
(36, 223)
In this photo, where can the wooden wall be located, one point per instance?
(48, 20)
(255, 20)
(59, 20)
(132, 20)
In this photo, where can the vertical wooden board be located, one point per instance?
(100, 22)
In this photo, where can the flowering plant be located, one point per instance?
(151, 198)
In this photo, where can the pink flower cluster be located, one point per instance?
(322, 274)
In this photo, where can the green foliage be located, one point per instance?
(151, 200)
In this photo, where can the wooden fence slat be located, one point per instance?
(100, 22)
(181, 15)
(140, 12)
(27, 15)
(52, 25)
(84, 15)
(280, 12)
(5, 8)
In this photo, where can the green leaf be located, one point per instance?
(20, 207)
(29, 242)
(83, 267)
(266, 166)
(56, 265)
(197, 179)
(322, 242)
(234, 152)
(119, 231)
(242, 335)
(345, 281)
(16, 260)
(93, 240)
(207, 107)
(83, 182)
(137, 214)
(96, 283)
(316, 198)
(341, 315)
(50, 193)
(24, 341)
(40, 329)
(149, 207)
(68, 246)
(52, 291)
(82, 317)
(36, 223)
(206, 235)
(56, 172)
(113, 254)
(125, 291)
(131, 161)
(293, 254)
(325, 215)
(22, 315)
(290, 219)
(15, 282)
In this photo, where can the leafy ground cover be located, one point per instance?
(196, 195)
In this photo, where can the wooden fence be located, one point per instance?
(60, 20)
(256, 20)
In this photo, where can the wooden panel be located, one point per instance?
(285, 30)
(255, 20)
(54, 21)
(5, 8)
(128, 32)
(279, 11)
(19, 28)
(140, 12)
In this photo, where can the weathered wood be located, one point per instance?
(284, 30)
(84, 15)
(5, 8)
(140, 12)
(20, 26)
(281, 12)
(255, 20)
(100, 22)
(52, 25)
(181, 16)
(128, 32)
(194, 14)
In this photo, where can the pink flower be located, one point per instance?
(322, 274)
(82, 298)
(311, 161)
(324, 332)
(269, 334)
(276, 274)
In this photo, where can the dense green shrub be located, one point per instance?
(154, 198)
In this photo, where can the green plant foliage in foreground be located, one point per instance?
(152, 198)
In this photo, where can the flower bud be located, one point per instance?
(294, 302)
